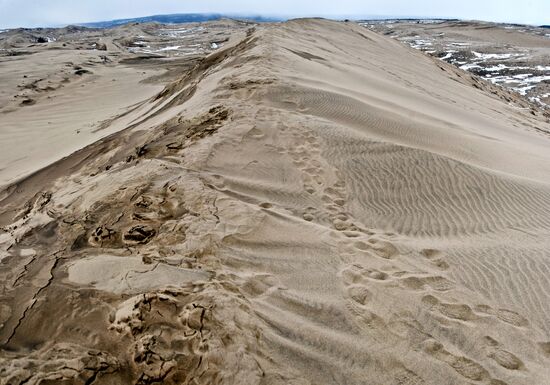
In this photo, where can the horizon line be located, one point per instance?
(278, 17)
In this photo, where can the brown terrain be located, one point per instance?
(308, 202)
(512, 56)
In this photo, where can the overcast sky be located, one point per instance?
(32, 13)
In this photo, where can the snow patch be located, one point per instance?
(467, 67)
(448, 55)
(495, 56)
(169, 48)
(497, 68)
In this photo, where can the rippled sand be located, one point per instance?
(313, 203)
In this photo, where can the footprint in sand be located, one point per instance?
(404, 376)
(352, 234)
(359, 294)
(363, 246)
(335, 195)
(309, 189)
(316, 164)
(436, 283)
(309, 214)
(364, 317)
(103, 236)
(260, 284)
(383, 249)
(317, 179)
(139, 235)
(509, 316)
(331, 191)
(464, 366)
(333, 209)
(373, 247)
(356, 273)
(405, 279)
(545, 347)
(217, 181)
(436, 258)
(501, 356)
(341, 184)
(255, 133)
(339, 202)
(313, 171)
(311, 140)
(355, 279)
(340, 225)
(341, 216)
(456, 311)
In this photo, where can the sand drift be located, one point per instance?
(306, 203)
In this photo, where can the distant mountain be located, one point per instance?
(176, 19)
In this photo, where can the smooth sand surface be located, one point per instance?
(71, 117)
(312, 204)
(129, 274)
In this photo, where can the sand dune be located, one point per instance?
(312, 204)
(511, 56)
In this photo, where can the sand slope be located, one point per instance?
(313, 204)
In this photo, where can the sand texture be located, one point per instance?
(312, 203)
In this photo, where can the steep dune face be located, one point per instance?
(314, 204)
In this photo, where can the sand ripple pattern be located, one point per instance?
(269, 226)
(412, 191)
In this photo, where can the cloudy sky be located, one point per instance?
(31, 13)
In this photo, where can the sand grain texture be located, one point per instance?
(312, 204)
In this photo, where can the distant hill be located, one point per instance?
(176, 19)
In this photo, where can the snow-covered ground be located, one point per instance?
(519, 78)
(177, 41)
(505, 65)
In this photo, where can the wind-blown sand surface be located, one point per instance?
(312, 204)
(38, 135)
